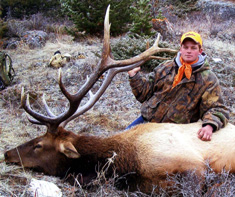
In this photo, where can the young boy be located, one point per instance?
(182, 91)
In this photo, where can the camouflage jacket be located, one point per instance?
(191, 100)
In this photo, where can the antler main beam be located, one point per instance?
(107, 63)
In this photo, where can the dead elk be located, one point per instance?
(147, 153)
(144, 155)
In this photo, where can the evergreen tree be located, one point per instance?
(20, 9)
(88, 15)
(142, 17)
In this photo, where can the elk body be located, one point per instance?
(141, 157)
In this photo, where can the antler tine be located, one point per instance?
(69, 96)
(49, 112)
(145, 55)
(157, 40)
(53, 121)
(106, 55)
(33, 121)
(40, 119)
(107, 25)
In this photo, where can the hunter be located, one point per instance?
(182, 90)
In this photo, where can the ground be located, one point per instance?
(111, 114)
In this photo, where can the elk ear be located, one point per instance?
(69, 150)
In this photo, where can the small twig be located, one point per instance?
(21, 163)
(80, 186)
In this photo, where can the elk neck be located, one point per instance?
(100, 150)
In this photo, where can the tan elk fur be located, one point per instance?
(172, 148)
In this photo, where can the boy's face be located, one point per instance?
(190, 50)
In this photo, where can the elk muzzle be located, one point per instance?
(10, 157)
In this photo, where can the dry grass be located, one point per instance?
(112, 113)
(33, 73)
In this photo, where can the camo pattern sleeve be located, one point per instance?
(212, 108)
(143, 87)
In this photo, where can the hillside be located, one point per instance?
(116, 109)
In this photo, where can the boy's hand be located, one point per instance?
(205, 133)
(133, 72)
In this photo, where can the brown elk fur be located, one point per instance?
(145, 153)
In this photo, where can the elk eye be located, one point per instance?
(37, 146)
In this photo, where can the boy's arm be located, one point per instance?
(213, 110)
(205, 133)
(142, 87)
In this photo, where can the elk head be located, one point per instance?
(50, 153)
(53, 152)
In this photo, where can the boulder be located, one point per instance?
(35, 39)
(164, 27)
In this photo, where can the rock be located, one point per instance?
(12, 43)
(216, 59)
(164, 27)
(221, 10)
(41, 188)
(35, 39)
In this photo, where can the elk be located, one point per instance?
(143, 155)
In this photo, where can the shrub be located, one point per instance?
(3, 28)
(19, 9)
(88, 16)
(142, 17)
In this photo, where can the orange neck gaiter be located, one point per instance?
(186, 69)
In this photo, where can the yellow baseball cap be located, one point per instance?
(193, 35)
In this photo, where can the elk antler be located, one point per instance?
(107, 63)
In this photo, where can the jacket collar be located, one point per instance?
(200, 62)
(195, 67)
